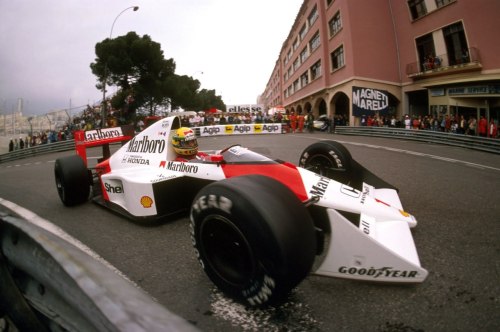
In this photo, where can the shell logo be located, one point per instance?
(146, 202)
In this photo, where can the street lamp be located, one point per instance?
(103, 112)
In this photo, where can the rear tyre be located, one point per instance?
(328, 158)
(253, 237)
(72, 180)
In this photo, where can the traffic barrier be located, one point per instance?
(74, 290)
(429, 136)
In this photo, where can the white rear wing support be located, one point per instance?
(376, 251)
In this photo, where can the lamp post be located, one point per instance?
(104, 106)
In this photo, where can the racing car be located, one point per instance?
(258, 225)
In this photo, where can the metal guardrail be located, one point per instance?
(428, 136)
(38, 150)
(44, 275)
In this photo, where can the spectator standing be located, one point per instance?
(407, 122)
(493, 129)
(300, 121)
(310, 122)
(293, 122)
(462, 125)
(11, 145)
(471, 130)
(483, 126)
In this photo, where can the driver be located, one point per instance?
(185, 145)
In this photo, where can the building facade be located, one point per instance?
(355, 58)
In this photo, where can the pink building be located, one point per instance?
(355, 58)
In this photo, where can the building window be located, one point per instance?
(335, 24)
(313, 16)
(290, 71)
(328, 2)
(456, 44)
(290, 91)
(316, 70)
(315, 42)
(425, 50)
(304, 54)
(296, 85)
(295, 44)
(303, 32)
(296, 64)
(337, 58)
(304, 79)
(442, 3)
(417, 8)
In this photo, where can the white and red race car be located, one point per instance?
(259, 226)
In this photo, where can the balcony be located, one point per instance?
(445, 64)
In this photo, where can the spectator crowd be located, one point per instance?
(295, 123)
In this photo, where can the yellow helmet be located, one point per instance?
(184, 142)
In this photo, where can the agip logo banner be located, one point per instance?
(241, 129)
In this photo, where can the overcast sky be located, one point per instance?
(46, 46)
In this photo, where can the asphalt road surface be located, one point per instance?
(453, 192)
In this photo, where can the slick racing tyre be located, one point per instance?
(72, 180)
(253, 237)
(328, 158)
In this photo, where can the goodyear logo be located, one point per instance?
(229, 129)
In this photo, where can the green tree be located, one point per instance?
(146, 80)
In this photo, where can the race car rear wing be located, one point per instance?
(101, 137)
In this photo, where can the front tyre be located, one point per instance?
(253, 237)
(328, 158)
(72, 180)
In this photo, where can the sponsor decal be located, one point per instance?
(349, 191)
(178, 166)
(271, 128)
(404, 213)
(113, 189)
(161, 177)
(131, 159)
(229, 129)
(366, 192)
(105, 133)
(146, 202)
(210, 131)
(146, 145)
(387, 272)
(213, 201)
(318, 190)
(242, 129)
(165, 124)
(257, 128)
(263, 289)
(245, 108)
(367, 101)
(163, 133)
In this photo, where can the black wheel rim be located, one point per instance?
(321, 165)
(60, 188)
(227, 251)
